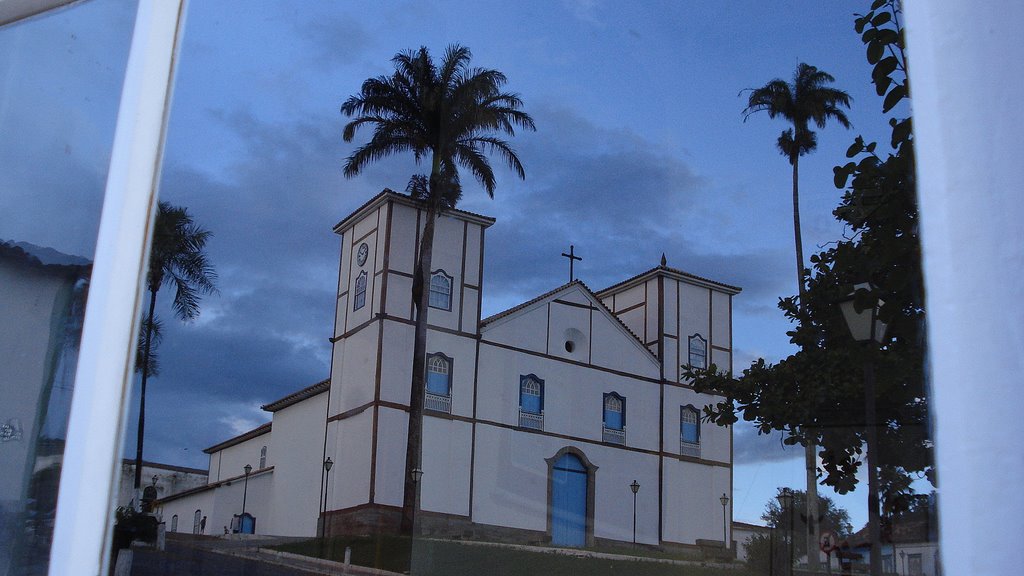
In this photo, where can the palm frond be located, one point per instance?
(450, 110)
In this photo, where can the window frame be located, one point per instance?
(440, 273)
(689, 409)
(696, 337)
(622, 410)
(524, 379)
(450, 364)
(359, 291)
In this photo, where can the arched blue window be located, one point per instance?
(359, 296)
(439, 369)
(439, 383)
(531, 402)
(263, 457)
(689, 431)
(440, 290)
(698, 352)
(174, 523)
(614, 419)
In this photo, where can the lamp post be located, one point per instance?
(725, 520)
(328, 464)
(155, 478)
(866, 328)
(417, 475)
(635, 487)
(245, 491)
(786, 502)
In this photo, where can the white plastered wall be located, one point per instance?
(691, 499)
(231, 461)
(298, 452)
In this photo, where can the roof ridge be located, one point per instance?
(550, 293)
(297, 396)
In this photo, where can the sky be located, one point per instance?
(640, 149)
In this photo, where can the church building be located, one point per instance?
(557, 421)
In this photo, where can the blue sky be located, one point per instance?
(640, 150)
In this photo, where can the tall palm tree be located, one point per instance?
(808, 99)
(453, 116)
(176, 260)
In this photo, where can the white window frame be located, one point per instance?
(703, 351)
(450, 281)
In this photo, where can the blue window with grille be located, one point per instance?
(439, 374)
(531, 402)
(614, 411)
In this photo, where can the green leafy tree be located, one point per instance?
(452, 116)
(177, 259)
(817, 395)
(769, 553)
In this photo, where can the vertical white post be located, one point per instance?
(966, 62)
(102, 381)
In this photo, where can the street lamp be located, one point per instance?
(861, 316)
(155, 478)
(786, 501)
(245, 491)
(635, 487)
(328, 464)
(725, 520)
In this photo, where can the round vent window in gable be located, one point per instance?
(575, 342)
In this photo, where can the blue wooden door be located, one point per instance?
(569, 502)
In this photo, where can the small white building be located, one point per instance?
(537, 420)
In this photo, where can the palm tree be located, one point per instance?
(452, 115)
(176, 259)
(808, 99)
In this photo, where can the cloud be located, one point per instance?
(750, 447)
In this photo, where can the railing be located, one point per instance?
(614, 435)
(437, 402)
(689, 449)
(531, 420)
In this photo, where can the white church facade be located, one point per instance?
(537, 420)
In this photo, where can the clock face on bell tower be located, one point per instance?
(364, 250)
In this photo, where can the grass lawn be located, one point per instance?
(453, 558)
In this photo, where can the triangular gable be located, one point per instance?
(571, 322)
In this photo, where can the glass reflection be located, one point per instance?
(61, 76)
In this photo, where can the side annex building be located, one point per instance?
(537, 420)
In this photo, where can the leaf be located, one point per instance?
(842, 174)
(859, 23)
(887, 35)
(870, 148)
(893, 97)
(875, 51)
(878, 4)
(855, 148)
(900, 131)
(886, 66)
(881, 18)
(869, 35)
